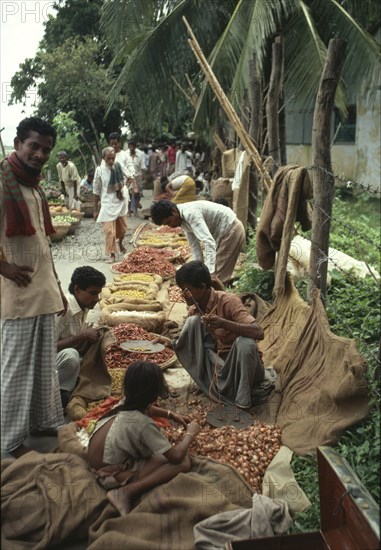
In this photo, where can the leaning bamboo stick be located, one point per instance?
(193, 99)
(228, 108)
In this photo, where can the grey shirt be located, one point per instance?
(132, 435)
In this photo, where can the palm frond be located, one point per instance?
(153, 56)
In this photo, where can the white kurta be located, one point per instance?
(111, 207)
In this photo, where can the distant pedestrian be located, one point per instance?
(135, 172)
(171, 154)
(69, 179)
(183, 159)
(110, 194)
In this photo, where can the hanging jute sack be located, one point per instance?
(222, 188)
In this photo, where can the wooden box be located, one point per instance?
(349, 516)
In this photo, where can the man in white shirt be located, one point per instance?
(74, 335)
(121, 155)
(183, 160)
(215, 226)
(109, 190)
(135, 172)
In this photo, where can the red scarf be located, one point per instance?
(18, 217)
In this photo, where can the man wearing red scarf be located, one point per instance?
(30, 292)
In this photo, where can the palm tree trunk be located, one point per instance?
(272, 106)
(82, 135)
(97, 150)
(255, 129)
(83, 159)
(323, 180)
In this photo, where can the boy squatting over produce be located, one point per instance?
(74, 335)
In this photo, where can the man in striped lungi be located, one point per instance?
(30, 292)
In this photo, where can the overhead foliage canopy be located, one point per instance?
(149, 39)
(70, 70)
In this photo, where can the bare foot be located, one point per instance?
(111, 260)
(122, 248)
(20, 451)
(120, 499)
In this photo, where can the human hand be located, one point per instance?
(180, 419)
(212, 321)
(95, 214)
(91, 334)
(193, 428)
(19, 274)
(167, 342)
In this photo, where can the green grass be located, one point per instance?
(353, 310)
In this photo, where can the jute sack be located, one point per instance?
(229, 162)
(154, 305)
(138, 278)
(222, 188)
(142, 292)
(151, 321)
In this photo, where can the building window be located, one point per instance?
(345, 130)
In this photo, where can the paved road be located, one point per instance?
(86, 247)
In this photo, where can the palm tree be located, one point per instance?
(149, 41)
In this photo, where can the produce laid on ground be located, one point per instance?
(249, 450)
(139, 278)
(176, 294)
(64, 220)
(147, 260)
(150, 235)
(116, 357)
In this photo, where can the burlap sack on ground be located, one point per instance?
(166, 515)
(47, 499)
(151, 321)
(149, 292)
(94, 380)
(321, 389)
(154, 305)
(138, 278)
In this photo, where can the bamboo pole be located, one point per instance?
(193, 99)
(228, 107)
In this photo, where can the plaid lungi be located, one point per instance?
(30, 394)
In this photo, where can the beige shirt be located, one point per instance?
(68, 174)
(42, 295)
(74, 320)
